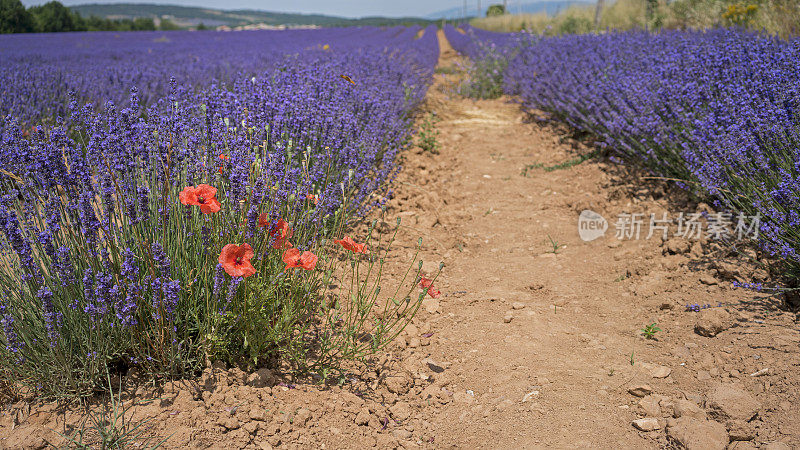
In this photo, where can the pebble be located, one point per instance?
(530, 395)
(650, 407)
(647, 424)
(508, 317)
(728, 401)
(518, 305)
(363, 417)
(660, 372)
(687, 408)
(739, 430)
(696, 434)
(709, 280)
(257, 413)
(711, 322)
(640, 390)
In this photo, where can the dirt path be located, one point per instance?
(525, 348)
(538, 346)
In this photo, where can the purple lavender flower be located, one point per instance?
(219, 278)
(52, 319)
(63, 266)
(171, 291)
(160, 258)
(13, 343)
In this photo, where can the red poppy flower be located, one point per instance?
(203, 196)
(312, 198)
(305, 260)
(224, 156)
(349, 244)
(425, 282)
(263, 220)
(235, 259)
(280, 232)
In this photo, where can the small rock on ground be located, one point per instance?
(728, 401)
(711, 322)
(695, 434)
(640, 390)
(647, 424)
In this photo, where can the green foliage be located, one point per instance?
(426, 139)
(555, 246)
(14, 18)
(575, 25)
(447, 70)
(201, 27)
(485, 79)
(111, 428)
(53, 17)
(167, 25)
(95, 23)
(143, 24)
(495, 10)
(649, 332)
(560, 166)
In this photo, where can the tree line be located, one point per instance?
(54, 17)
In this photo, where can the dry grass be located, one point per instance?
(513, 22)
(7, 392)
(780, 17)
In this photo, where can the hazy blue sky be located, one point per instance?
(350, 8)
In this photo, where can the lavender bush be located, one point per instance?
(196, 224)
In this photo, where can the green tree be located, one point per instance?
(53, 17)
(495, 10)
(78, 22)
(144, 24)
(201, 26)
(95, 23)
(14, 18)
(168, 25)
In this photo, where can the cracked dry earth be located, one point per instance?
(525, 348)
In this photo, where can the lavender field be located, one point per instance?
(146, 177)
(400, 237)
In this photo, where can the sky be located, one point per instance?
(349, 8)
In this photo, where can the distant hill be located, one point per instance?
(551, 7)
(185, 16)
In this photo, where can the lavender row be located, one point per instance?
(475, 43)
